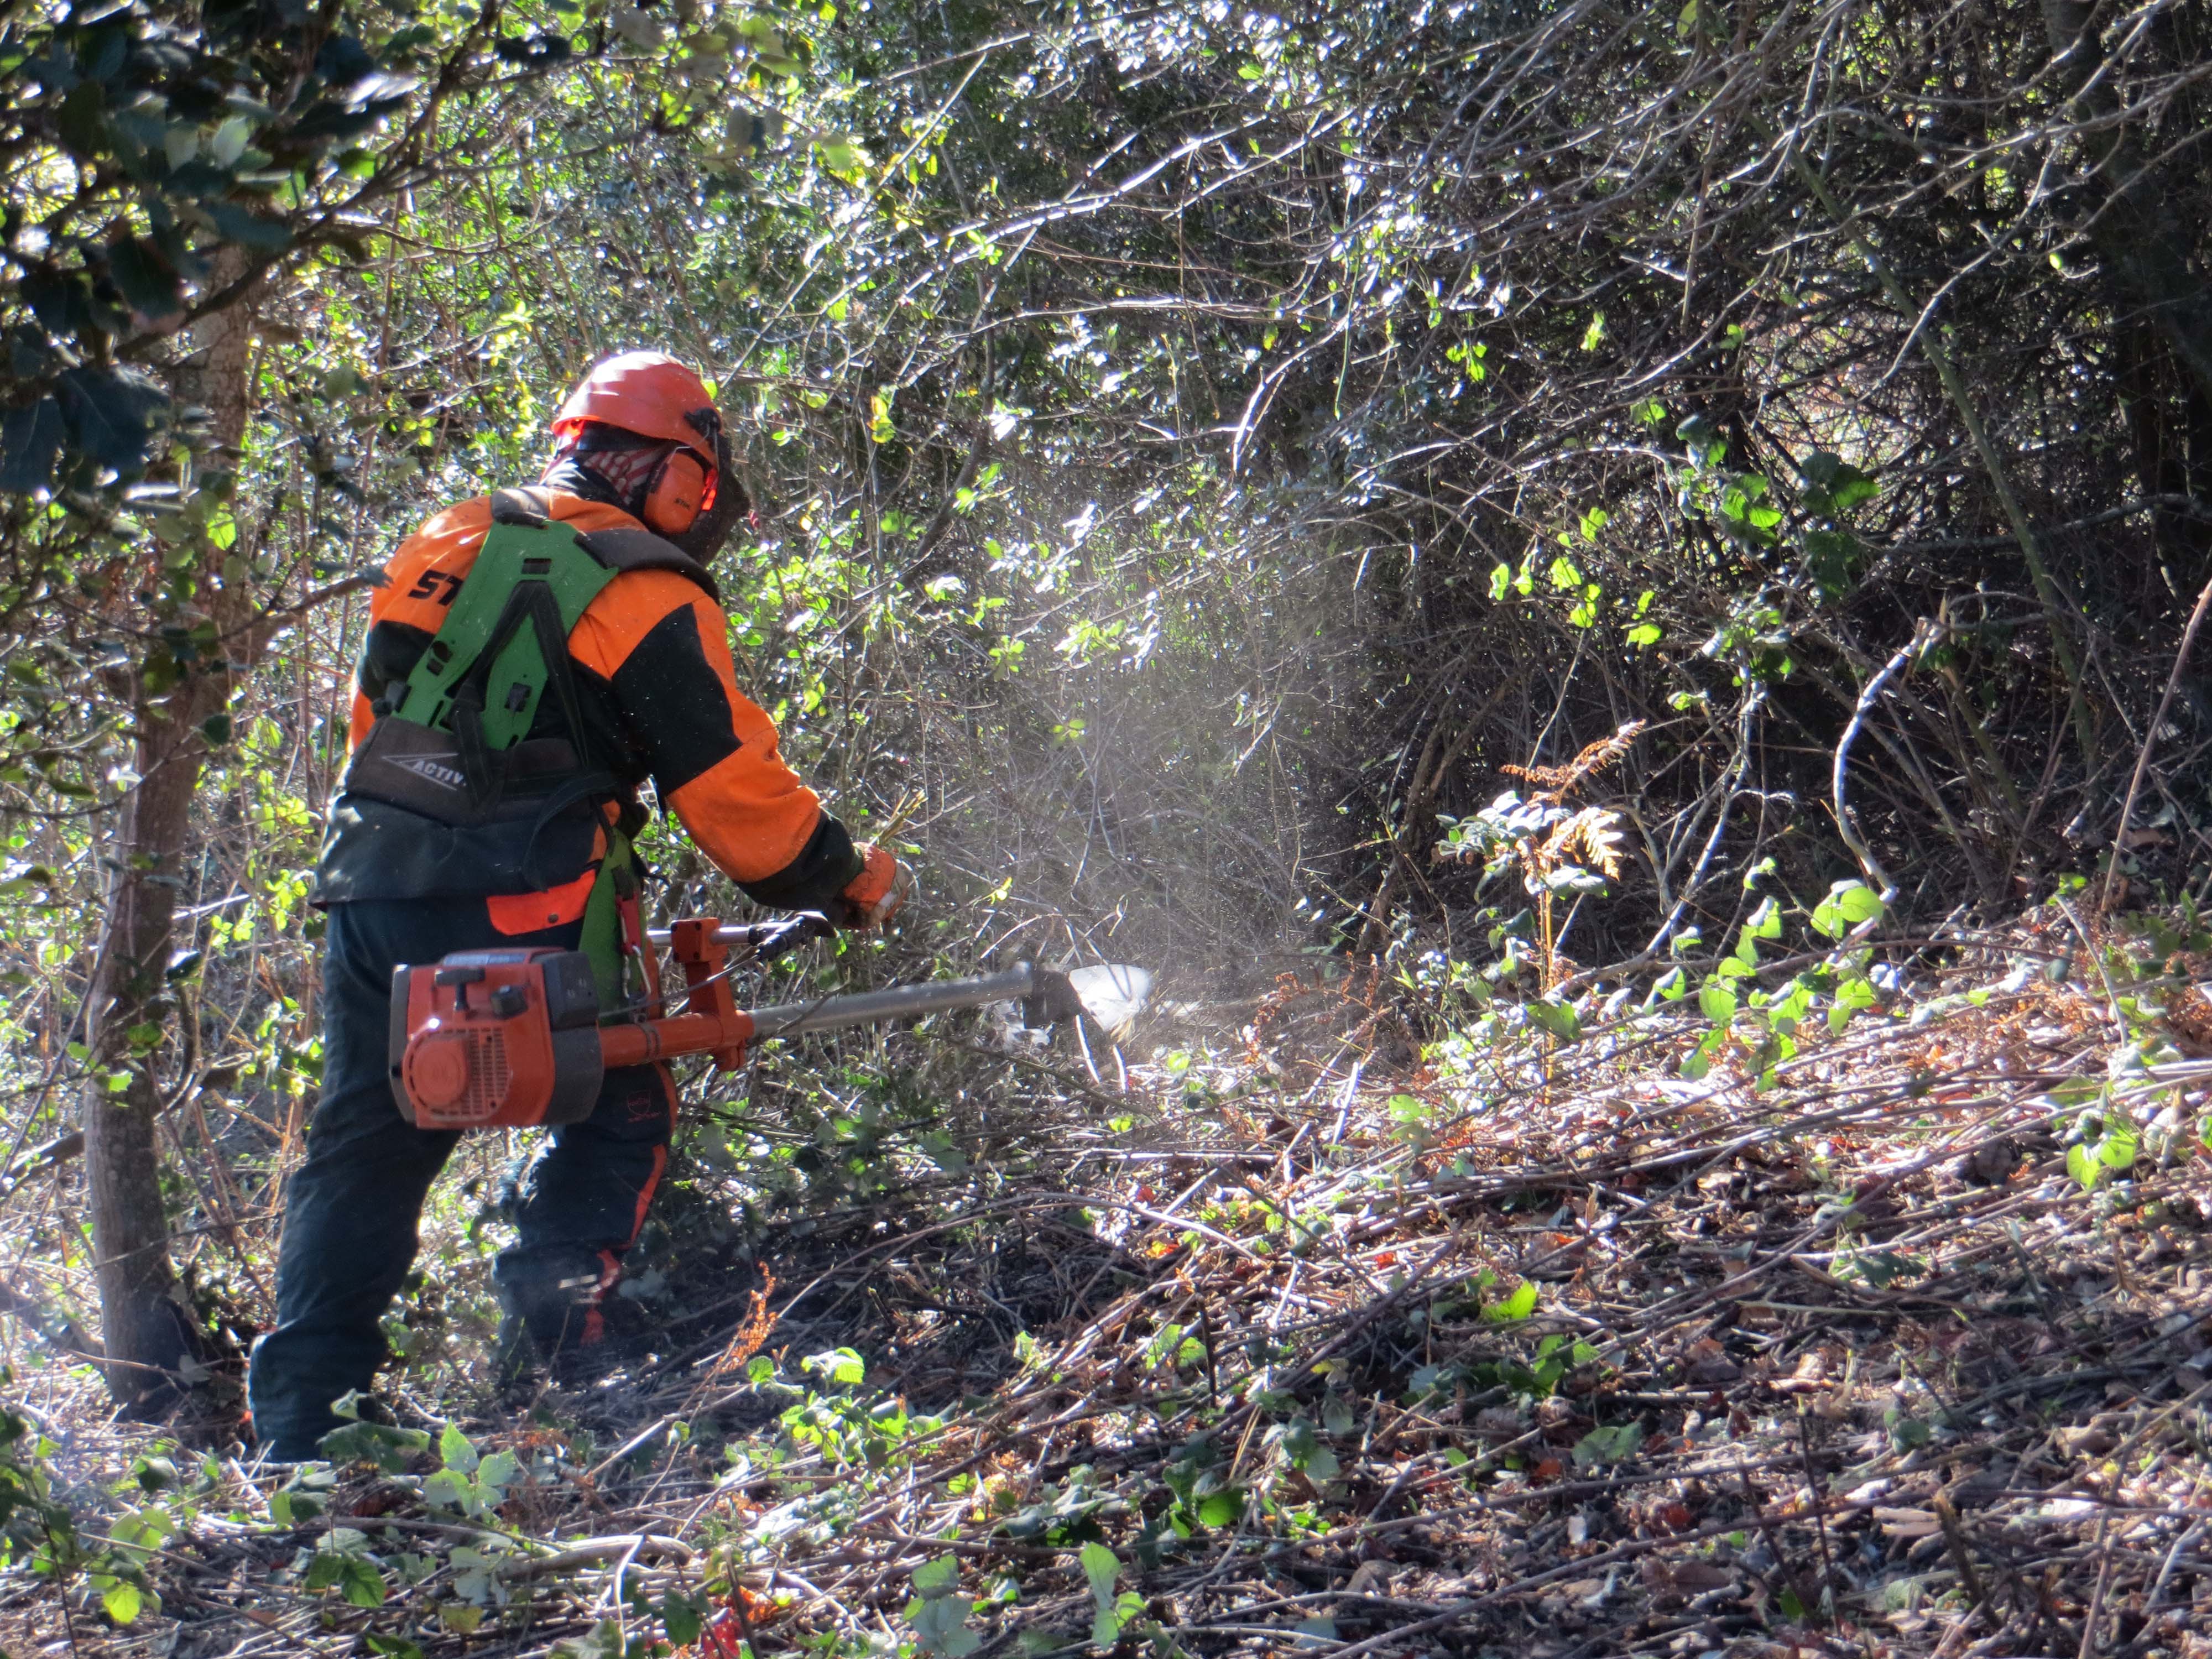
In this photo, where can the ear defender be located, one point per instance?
(676, 494)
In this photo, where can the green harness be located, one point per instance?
(453, 747)
(501, 647)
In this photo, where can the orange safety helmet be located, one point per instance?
(655, 396)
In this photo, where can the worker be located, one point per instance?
(535, 656)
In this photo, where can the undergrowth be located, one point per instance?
(1808, 1293)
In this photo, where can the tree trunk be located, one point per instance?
(2140, 230)
(147, 1332)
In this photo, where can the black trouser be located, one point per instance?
(351, 1213)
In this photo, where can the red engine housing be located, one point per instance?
(496, 1040)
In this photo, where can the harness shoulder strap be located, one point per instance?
(505, 637)
(640, 549)
(523, 507)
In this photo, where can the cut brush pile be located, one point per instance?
(1696, 1328)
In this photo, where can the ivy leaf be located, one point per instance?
(247, 229)
(2085, 1167)
(147, 280)
(109, 416)
(1847, 905)
(30, 442)
(2119, 1148)
(1557, 1018)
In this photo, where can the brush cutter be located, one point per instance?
(514, 1039)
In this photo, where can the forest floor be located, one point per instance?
(1328, 1354)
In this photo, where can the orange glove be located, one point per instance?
(877, 894)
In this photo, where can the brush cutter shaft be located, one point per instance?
(900, 1002)
(700, 1034)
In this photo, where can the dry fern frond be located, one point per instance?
(751, 1334)
(1590, 838)
(1556, 780)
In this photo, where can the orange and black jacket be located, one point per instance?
(659, 700)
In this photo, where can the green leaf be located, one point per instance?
(941, 1623)
(1101, 1566)
(1557, 1018)
(110, 416)
(1221, 1509)
(843, 156)
(380, 1444)
(2119, 1147)
(2084, 1166)
(325, 1569)
(30, 442)
(841, 1365)
(248, 230)
(455, 1451)
(1836, 486)
(680, 1618)
(122, 1601)
(147, 282)
(501, 1470)
(1516, 1307)
(1614, 1444)
(229, 141)
(1716, 1002)
(1848, 904)
(938, 1577)
(397, 1646)
(360, 1583)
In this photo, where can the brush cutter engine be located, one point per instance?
(497, 1039)
(514, 1039)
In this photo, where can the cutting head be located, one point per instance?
(1112, 993)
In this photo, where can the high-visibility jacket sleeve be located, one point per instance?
(663, 646)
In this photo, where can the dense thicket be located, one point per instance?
(1198, 448)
